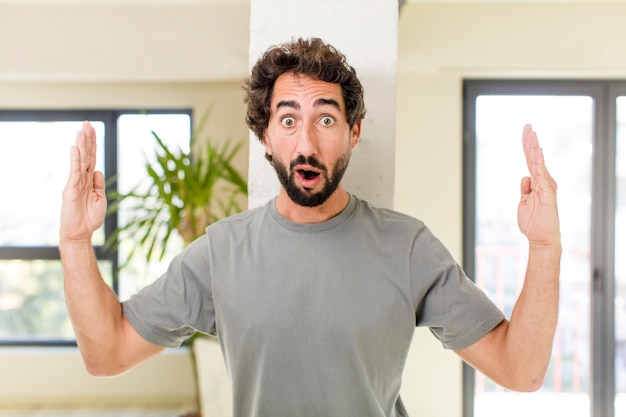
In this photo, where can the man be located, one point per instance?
(314, 297)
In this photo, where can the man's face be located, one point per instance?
(308, 137)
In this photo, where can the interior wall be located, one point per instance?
(440, 45)
(55, 377)
(67, 40)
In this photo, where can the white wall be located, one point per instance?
(123, 41)
(56, 378)
(440, 44)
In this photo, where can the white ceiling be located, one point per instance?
(155, 2)
(223, 34)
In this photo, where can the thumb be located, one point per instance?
(98, 181)
(525, 186)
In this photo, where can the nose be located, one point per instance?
(307, 140)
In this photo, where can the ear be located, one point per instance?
(355, 134)
(266, 143)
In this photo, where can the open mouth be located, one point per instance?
(308, 175)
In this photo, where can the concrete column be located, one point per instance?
(366, 32)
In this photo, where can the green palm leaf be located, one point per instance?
(187, 192)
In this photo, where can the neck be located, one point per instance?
(318, 214)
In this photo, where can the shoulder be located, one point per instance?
(239, 228)
(400, 227)
(239, 220)
(386, 217)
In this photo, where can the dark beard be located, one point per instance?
(304, 197)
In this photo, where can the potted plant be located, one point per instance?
(188, 191)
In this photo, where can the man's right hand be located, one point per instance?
(84, 199)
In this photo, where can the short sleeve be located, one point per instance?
(179, 303)
(456, 311)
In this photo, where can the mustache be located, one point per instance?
(303, 160)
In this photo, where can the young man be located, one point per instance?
(314, 297)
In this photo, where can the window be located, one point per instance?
(581, 127)
(34, 164)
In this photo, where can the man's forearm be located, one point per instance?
(93, 307)
(530, 333)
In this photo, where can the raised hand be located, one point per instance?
(537, 214)
(84, 199)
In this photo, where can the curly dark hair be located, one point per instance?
(312, 57)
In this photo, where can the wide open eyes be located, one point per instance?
(327, 121)
(288, 121)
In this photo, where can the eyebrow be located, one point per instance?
(288, 103)
(319, 102)
(328, 101)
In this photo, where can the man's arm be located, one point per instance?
(108, 343)
(516, 353)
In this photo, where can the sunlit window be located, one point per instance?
(34, 164)
(565, 130)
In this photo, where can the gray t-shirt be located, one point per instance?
(314, 319)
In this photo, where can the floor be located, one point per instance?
(92, 413)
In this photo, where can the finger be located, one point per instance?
(90, 133)
(530, 144)
(83, 150)
(98, 181)
(85, 140)
(75, 170)
(525, 186)
(534, 154)
(526, 139)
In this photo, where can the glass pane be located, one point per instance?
(32, 302)
(136, 147)
(564, 126)
(35, 162)
(620, 261)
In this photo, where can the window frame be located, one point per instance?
(109, 117)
